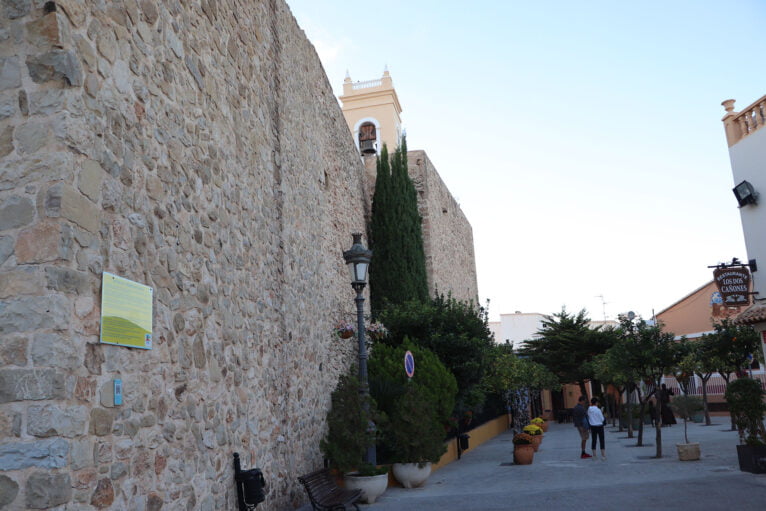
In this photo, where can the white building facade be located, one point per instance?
(747, 152)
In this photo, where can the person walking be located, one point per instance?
(596, 421)
(580, 419)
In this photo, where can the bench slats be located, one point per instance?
(325, 495)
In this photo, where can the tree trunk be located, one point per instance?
(658, 429)
(704, 399)
(640, 441)
(629, 414)
(726, 379)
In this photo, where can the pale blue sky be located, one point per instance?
(582, 139)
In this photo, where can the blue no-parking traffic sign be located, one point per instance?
(409, 364)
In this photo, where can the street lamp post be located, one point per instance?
(358, 261)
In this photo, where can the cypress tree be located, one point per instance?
(398, 267)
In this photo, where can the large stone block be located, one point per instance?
(33, 135)
(31, 384)
(56, 65)
(46, 489)
(101, 422)
(55, 350)
(25, 280)
(91, 177)
(10, 73)
(13, 350)
(64, 201)
(34, 312)
(8, 490)
(49, 453)
(6, 141)
(16, 211)
(81, 455)
(67, 280)
(41, 166)
(9, 105)
(43, 242)
(103, 496)
(6, 248)
(16, 8)
(47, 32)
(52, 420)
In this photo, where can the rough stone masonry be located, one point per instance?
(194, 147)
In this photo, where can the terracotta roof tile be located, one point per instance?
(756, 313)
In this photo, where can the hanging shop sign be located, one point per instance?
(126, 312)
(734, 285)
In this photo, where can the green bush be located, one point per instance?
(456, 331)
(348, 427)
(745, 399)
(432, 388)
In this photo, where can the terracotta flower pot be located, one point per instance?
(536, 440)
(346, 334)
(523, 454)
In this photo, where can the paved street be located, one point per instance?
(558, 479)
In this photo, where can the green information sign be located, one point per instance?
(126, 312)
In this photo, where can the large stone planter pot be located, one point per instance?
(412, 475)
(688, 452)
(752, 458)
(523, 454)
(372, 486)
(536, 441)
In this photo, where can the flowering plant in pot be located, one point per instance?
(523, 448)
(377, 331)
(344, 330)
(533, 429)
(522, 439)
(351, 427)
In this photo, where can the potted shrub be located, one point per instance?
(745, 399)
(417, 409)
(349, 433)
(536, 432)
(416, 436)
(523, 451)
(686, 406)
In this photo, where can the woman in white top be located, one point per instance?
(596, 421)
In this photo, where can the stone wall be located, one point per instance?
(197, 148)
(447, 234)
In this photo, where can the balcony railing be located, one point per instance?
(741, 124)
(367, 84)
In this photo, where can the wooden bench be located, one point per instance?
(325, 495)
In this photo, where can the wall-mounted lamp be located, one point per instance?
(745, 194)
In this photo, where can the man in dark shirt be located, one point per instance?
(579, 417)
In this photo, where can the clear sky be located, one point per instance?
(582, 140)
